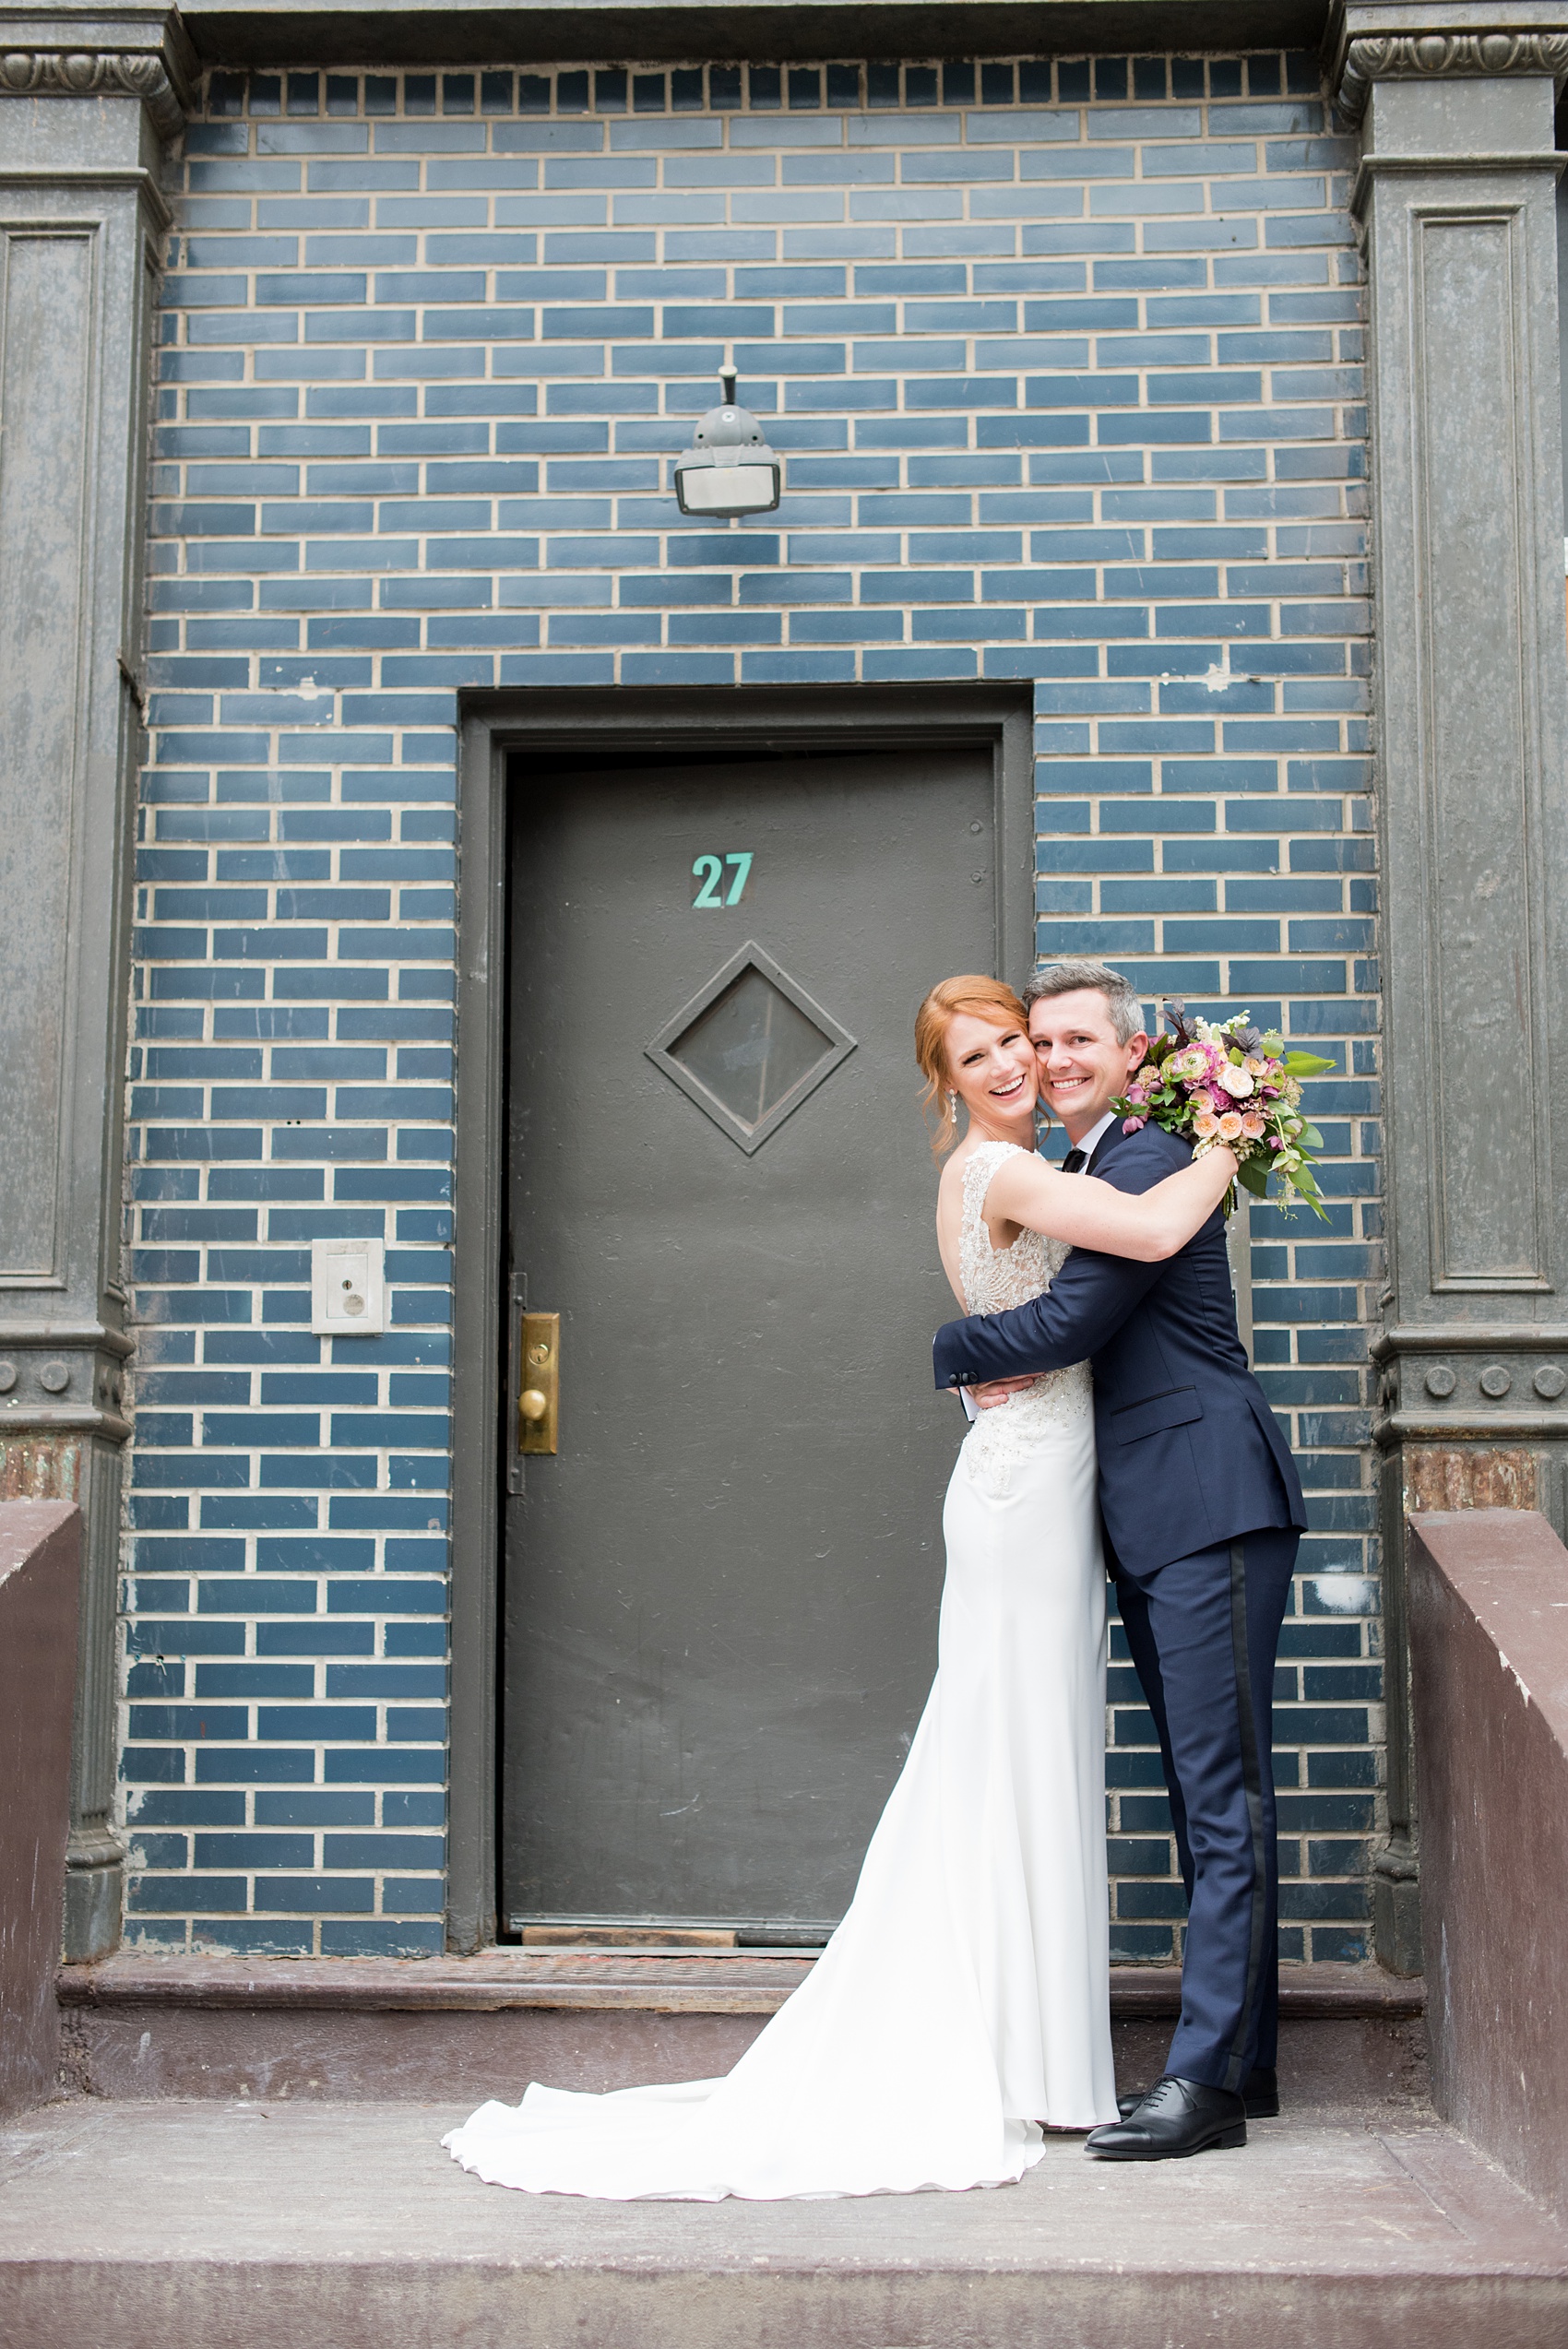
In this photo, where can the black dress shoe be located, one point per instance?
(1177, 2117)
(1260, 2094)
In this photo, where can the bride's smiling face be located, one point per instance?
(992, 1069)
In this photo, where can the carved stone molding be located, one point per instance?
(94, 73)
(1482, 1382)
(1432, 56)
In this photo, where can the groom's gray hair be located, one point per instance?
(1065, 978)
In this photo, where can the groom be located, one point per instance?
(1202, 1512)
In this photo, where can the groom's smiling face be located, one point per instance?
(1082, 1066)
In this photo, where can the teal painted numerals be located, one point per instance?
(710, 871)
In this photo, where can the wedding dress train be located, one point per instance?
(965, 1997)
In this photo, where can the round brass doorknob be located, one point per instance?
(532, 1404)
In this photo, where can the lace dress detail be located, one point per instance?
(993, 1280)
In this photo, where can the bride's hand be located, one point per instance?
(997, 1391)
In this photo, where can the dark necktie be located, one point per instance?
(1074, 1160)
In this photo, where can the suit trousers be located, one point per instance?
(1203, 1630)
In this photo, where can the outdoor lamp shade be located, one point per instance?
(746, 488)
(729, 469)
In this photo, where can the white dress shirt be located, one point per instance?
(1091, 1140)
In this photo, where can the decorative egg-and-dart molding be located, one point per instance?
(1437, 55)
(95, 73)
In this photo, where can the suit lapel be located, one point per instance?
(1107, 1142)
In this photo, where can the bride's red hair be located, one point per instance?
(987, 999)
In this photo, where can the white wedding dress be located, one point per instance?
(965, 1997)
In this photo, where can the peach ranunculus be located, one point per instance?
(1253, 1125)
(1206, 1125)
(1230, 1126)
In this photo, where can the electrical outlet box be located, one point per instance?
(348, 1288)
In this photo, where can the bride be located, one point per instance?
(963, 2002)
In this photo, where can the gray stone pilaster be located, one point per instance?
(1456, 191)
(86, 99)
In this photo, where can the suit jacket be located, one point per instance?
(1190, 1453)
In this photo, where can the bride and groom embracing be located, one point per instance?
(962, 2008)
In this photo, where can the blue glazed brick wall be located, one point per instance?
(1063, 359)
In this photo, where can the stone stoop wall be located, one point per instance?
(40, 1553)
(1488, 1656)
(1064, 361)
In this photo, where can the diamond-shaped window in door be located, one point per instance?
(750, 1046)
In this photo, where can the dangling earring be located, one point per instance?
(952, 1103)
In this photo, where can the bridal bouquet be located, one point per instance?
(1231, 1085)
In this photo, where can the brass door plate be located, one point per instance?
(539, 1395)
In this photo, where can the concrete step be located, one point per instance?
(391, 2029)
(252, 2225)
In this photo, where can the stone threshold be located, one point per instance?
(362, 2029)
(498, 1981)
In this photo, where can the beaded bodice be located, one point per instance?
(995, 1279)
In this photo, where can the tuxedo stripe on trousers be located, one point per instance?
(1260, 1905)
(1203, 1630)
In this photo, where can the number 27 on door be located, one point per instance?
(710, 871)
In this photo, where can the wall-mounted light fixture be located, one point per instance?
(729, 469)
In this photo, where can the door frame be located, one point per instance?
(492, 725)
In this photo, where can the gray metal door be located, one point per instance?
(720, 1591)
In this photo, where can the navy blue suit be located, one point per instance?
(1203, 1514)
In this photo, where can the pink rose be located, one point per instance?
(1206, 1124)
(1230, 1126)
(1252, 1125)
